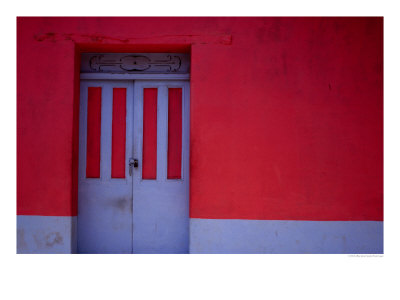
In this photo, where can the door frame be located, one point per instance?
(112, 76)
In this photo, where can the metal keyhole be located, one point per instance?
(133, 163)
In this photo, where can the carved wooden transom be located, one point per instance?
(160, 63)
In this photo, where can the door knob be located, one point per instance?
(133, 163)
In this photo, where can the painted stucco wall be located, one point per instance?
(286, 113)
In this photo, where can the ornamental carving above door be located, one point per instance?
(161, 63)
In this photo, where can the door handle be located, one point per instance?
(133, 163)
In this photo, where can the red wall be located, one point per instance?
(286, 113)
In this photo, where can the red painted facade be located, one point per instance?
(286, 113)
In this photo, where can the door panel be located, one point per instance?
(105, 203)
(161, 205)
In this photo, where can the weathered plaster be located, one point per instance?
(279, 237)
(46, 234)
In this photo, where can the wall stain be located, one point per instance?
(121, 204)
(38, 241)
(53, 238)
(49, 36)
(21, 243)
(344, 240)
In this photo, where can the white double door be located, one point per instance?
(133, 193)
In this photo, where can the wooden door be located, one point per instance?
(161, 182)
(105, 186)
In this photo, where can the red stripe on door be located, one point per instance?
(93, 132)
(174, 133)
(118, 133)
(149, 170)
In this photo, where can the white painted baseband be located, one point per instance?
(49, 234)
(46, 234)
(296, 237)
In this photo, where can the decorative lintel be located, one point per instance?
(161, 63)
